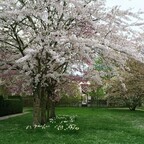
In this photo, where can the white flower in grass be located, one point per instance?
(47, 126)
(70, 127)
(43, 127)
(35, 126)
(39, 126)
(76, 128)
(28, 127)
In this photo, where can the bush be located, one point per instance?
(115, 101)
(1, 98)
(69, 101)
(28, 101)
(133, 101)
(15, 97)
(10, 106)
(1, 103)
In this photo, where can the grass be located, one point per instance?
(97, 126)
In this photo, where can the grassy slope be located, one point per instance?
(97, 126)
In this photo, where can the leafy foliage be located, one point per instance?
(131, 87)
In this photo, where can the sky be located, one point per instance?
(126, 4)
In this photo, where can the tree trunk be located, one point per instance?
(43, 107)
(36, 110)
(36, 105)
(52, 109)
(132, 108)
(48, 107)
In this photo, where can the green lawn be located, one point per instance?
(97, 126)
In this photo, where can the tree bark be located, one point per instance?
(43, 107)
(52, 109)
(48, 107)
(132, 108)
(36, 110)
(36, 105)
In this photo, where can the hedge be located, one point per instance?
(28, 101)
(10, 106)
(69, 101)
(15, 97)
(1, 98)
(1, 103)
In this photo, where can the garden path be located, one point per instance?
(14, 115)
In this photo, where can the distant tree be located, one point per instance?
(130, 89)
(69, 93)
(96, 92)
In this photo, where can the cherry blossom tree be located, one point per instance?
(129, 90)
(44, 39)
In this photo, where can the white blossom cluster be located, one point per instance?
(29, 127)
(65, 123)
(44, 38)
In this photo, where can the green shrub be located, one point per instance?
(1, 102)
(69, 101)
(15, 97)
(10, 106)
(115, 101)
(1, 98)
(28, 101)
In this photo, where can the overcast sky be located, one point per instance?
(125, 4)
